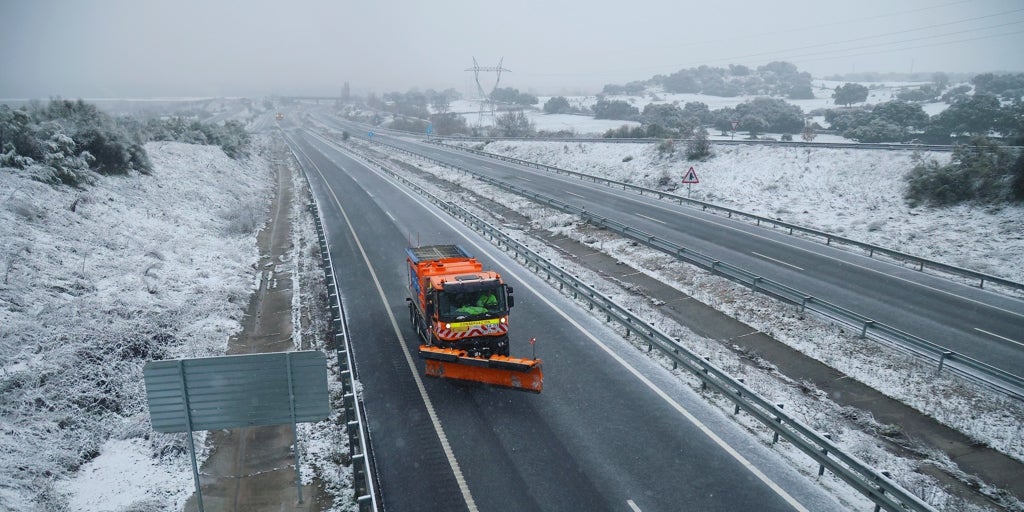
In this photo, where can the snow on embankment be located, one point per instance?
(95, 281)
(855, 193)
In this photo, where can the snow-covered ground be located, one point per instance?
(578, 124)
(850, 192)
(586, 125)
(991, 419)
(92, 276)
(855, 193)
(95, 281)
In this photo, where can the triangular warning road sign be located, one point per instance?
(691, 177)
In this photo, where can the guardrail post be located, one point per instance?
(942, 359)
(339, 347)
(352, 429)
(349, 402)
(864, 329)
(739, 394)
(775, 435)
(824, 451)
(346, 384)
(358, 474)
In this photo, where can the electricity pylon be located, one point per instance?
(486, 97)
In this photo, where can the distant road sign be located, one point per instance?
(369, 134)
(430, 129)
(690, 177)
(735, 124)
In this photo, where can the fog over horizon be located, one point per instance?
(187, 48)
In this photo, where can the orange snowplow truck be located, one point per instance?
(460, 312)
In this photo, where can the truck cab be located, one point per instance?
(456, 304)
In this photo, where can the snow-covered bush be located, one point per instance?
(94, 282)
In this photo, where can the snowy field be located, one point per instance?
(95, 281)
(854, 193)
(100, 278)
(991, 419)
(586, 125)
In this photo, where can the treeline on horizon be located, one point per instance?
(69, 142)
(983, 117)
(992, 106)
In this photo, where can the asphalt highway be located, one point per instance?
(611, 431)
(979, 323)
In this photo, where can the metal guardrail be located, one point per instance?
(730, 142)
(877, 487)
(921, 263)
(359, 450)
(872, 250)
(724, 142)
(959, 364)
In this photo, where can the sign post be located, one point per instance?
(690, 179)
(237, 391)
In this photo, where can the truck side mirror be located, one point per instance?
(430, 309)
(511, 300)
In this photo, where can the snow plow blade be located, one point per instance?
(500, 371)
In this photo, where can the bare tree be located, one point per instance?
(514, 123)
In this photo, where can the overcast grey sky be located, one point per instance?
(143, 48)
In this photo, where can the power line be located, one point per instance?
(838, 52)
(943, 43)
(901, 32)
(824, 25)
(783, 52)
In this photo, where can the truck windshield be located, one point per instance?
(482, 303)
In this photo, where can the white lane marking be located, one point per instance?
(823, 255)
(574, 194)
(998, 336)
(569, 180)
(775, 260)
(633, 506)
(445, 445)
(571, 320)
(524, 179)
(651, 218)
(392, 217)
